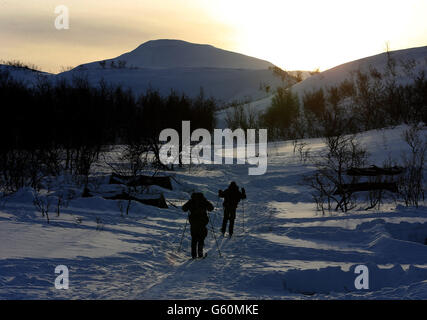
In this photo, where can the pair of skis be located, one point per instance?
(198, 258)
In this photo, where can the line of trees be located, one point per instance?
(52, 128)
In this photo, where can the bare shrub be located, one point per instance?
(42, 202)
(411, 183)
(330, 180)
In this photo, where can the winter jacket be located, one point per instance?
(232, 196)
(198, 206)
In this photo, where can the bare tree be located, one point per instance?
(42, 202)
(411, 184)
(330, 182)
(132, 160)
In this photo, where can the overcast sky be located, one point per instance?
(298, 34)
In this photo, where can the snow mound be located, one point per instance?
(334, 279)
(405, 231)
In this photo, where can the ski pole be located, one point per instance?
(183, 232)
(243, 208)
(217, 207)
(216, 241)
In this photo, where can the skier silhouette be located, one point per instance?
(232, 197)
(198, 206)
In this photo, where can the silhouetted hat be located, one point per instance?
(197, 196)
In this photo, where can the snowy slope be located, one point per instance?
(342, 72)
(184, 67)
(225, 85)
(282, 248)
(27, 76)
(338, 74)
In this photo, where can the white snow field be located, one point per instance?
(282, 248)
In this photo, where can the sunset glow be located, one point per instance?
(303, 34)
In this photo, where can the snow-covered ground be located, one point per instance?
(282, 248)
(27, 76)
(225, 85)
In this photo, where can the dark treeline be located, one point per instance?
(52, 127)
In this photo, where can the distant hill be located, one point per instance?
(171, 54)
(24, 74)
(415, 57)
(336, 75)
(185, 67)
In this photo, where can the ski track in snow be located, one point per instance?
(288, 251)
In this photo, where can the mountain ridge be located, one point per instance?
(172, 53)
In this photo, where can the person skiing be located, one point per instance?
(198, 206)
(232, 197)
